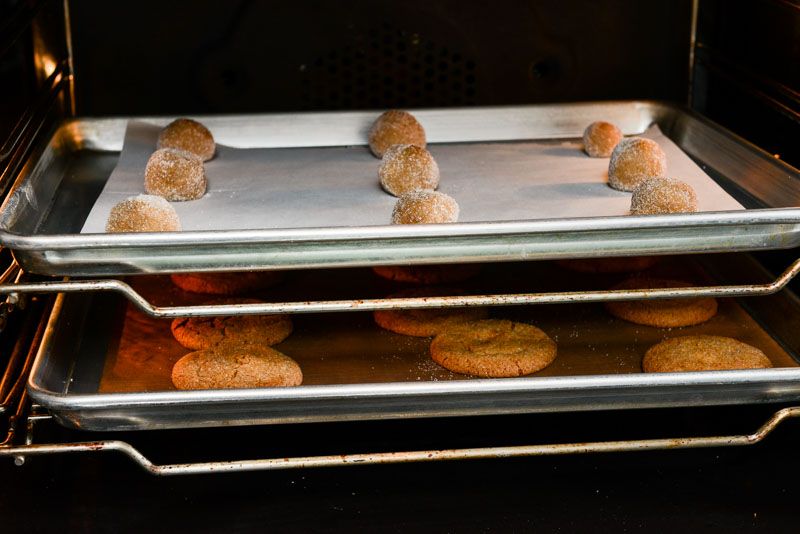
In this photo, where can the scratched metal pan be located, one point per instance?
(104, 365)
(41, 221)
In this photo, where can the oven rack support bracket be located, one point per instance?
(20, 452)
(349, 305)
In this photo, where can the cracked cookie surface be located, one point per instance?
(235, 365)
(205, 332)
(493, 348)
(426, 322)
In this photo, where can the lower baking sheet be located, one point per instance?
(324, 187)
(104, 366)
(349, 348)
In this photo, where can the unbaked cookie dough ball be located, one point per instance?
(663, 195)
(188, 135)
(633, 160)
(175, 175)
(425, 207)
(143, 213)
(406, 168)
(395, 127)
(600, 138)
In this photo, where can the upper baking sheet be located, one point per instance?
(271, 188)
(495, 161)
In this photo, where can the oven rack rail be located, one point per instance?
(16, 290)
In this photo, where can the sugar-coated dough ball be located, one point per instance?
(143, 213)
(663, 195)
(406, 168)
(395, 127)
(600, 138)
(175, 175)
(633, 160)
(188, 135)
(425, 207)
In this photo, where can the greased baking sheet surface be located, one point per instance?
(270, 188)
(349, 348)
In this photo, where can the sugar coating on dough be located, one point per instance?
(395, 127)
(175, 174)
(493, 348)
(600, 138)
(188, 135)
(205, 332)
(143, 213)
(426, 322)
(425, 207)
(406, 168)
(234, 365)
(703, 353)
(663, 195)
(634, 160)
(662, 313)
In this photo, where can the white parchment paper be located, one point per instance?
(266, 188)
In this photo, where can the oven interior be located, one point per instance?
(728, 62)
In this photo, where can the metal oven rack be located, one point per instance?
(24, 321)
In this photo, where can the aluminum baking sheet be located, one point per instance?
(338, 186)
(114, 371)
(42, 219)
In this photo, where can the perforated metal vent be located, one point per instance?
(386, 67)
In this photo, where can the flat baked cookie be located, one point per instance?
(426, 322)
(205, 332)
(428, 274)
(703, 353)
(669, 313)
(234, 365)
(612, 265)
(226, 283)
(493, 348)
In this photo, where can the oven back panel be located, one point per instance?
(259, 56)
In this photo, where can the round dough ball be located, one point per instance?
(143, 213)
(600, 138)
(702, 353)
(634, 160)
(425, 207)
(406, 168)
(663, 195)
(175, 175)
(395, 127)
(188, 135)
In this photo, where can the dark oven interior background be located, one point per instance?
(153, 57)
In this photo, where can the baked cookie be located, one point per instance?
(426, 322)
(493, 348)
(234, 365)
(428, 274)
(205, 332)
(702, 353)
(226, 283)
(669, 313)
(609, 265)
(143, 213)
